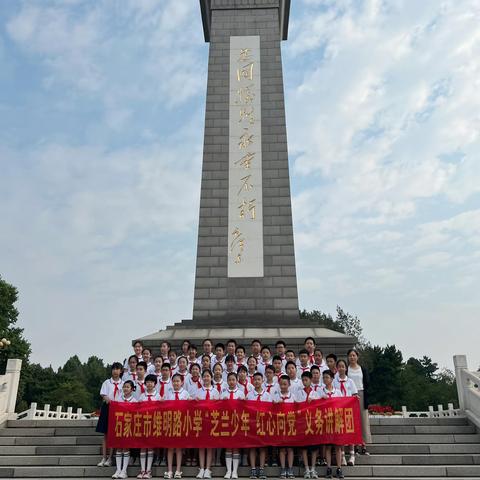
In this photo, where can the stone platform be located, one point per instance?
(328, 340)
(411, 448)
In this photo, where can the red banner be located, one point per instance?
(233, 423)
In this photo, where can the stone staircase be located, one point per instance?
(411, 448)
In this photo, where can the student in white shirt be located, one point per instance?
(164, 383)
(147, 358)
(318, 360)
(277, 365)
(255, 350)
(137, 352)
(111, 390)
(192, 356)
(303, 364)
(218, 382)
(122, 455)
(240, 356)
(230, 366)
(316, 378)
(280, 350)
(295, 382)
(252, 368)
(146, 455)
(193, 382)
(157, 366)
(207, 346)
(271, 382)
(258, 394)
(242, 380)
(232, 455)
(231, 347)
(140, 382)
(208, 393)
(283, 395)
(206, 362)
(165, 348)
(176, 394)
(266, 359)
(172, 360)
(347, 388)
(131, 372)
(307, 394)
(219, 356)
(329, 391)
(309, 344)
(182, 367)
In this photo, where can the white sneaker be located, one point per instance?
(107, 462)
(177, 474)
(101, 463)
(168, 475)
(306, 474)
(344, 460)
(123, 475)
(201, 472)
(228, 475)
(234, 475)
(313, 473)
(207, 474)
(116, 474)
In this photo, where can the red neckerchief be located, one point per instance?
(307, 390)
(219, 386)
(342, 387)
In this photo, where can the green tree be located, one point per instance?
(350, 325)
(19, 346)
(322, 319)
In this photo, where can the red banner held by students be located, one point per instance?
(233, 424)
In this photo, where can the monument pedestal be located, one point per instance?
(328, 340)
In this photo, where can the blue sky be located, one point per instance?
(101, 131)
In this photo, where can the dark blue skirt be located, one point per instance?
(102, 425)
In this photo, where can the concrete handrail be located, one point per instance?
(468, 387)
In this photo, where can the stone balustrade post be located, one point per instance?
(460, 363)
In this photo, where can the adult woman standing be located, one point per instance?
(361, 378)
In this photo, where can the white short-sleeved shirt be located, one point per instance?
(167, 386)
(220, 386)
(247, 388)
(324, 393)
(193, 362)
(182, 395)
(236, 394)
(302, 396)
(212, 392)
(322, 367)
(263, 396)
(108, 389)
(150, 397)
(140, 388)
(130, 399)
(279, 397)
(192, 386)
(349, 385)
(250, 377)
(215, 360)
(271, 387)
(301, 369)
(211, 355)
(150, 368)
(295, 384)
(356, 375)
(262, 366)
(129, 376)
(317, 386)
(184, 375)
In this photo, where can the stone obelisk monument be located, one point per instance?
(245, 257)
(245, 280)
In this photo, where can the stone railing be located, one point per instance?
(34, 413)
(468, 387)
(9, 389)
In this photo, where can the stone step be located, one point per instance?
(91, 460)
(418, 421)
(422, 429)
(52, 423)
(48, 432)
(358, 471)
(420, 438)
(80, 440)
(441, 448)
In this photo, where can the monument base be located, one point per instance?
(328, 340)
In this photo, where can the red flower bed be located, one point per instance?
(380, 410)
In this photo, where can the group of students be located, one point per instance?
(226, 372)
